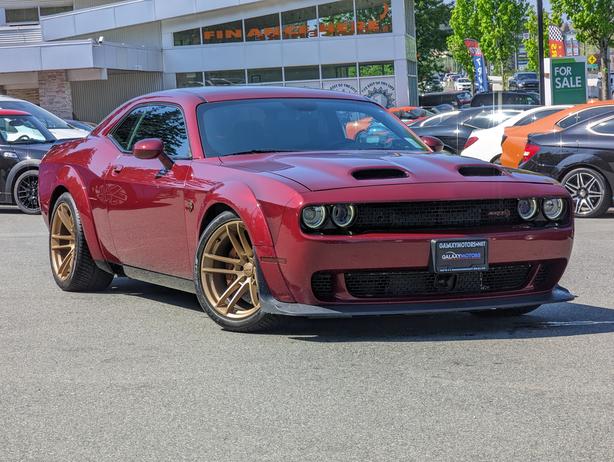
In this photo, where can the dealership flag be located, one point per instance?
(556, 42)
(481, 74)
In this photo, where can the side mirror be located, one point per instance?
(152, 148)
(432, 142)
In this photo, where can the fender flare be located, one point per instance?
(18, 168)
(242, 199)
(72, 182)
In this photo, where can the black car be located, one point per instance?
(497, 98)
(581, 157)
(454, 128)
(23, 143)
(457, 99)
(527, 81)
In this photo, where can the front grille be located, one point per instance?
(322, 285)
(409, 216)
(409, 283)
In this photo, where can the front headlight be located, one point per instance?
(314, 216)
(10, 155)
(553, 208)
(343, 215)
(527, 208)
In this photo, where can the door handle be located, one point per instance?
(116, 169)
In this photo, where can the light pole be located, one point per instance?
(540, 50)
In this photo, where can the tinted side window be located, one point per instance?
(584, 115)
(605, 128)
(166, 123)
(123, 132)
(526, 120)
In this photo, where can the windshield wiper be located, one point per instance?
(260, 151)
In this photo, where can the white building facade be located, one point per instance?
(93, 55)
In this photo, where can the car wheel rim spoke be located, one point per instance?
(227, 271)
(27, 192)
(586, 192)
(62, 242)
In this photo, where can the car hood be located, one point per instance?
(318, 171)
(68, 133)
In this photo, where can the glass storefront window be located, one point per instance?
(339, 71)
(228, 32)
(302, 73)
(189, 79)
(222, 78)
(376, 69)
(337, 18)
(186, 37)
(262, 28)
(268, 75)
(21, 15)
(373, 16)
(302, 23)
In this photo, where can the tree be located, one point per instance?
(432, 19)
(531, 43)
(465, 24)
(502, 24)
(593, 21)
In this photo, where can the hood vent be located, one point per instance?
(379, 174)
(479, 170)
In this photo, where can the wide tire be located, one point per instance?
(225, 276)
(590, 191)
(506, 312)
(25, 192)
(72, 265)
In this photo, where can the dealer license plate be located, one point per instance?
(458, 255)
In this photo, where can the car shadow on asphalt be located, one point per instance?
(558, 320)
(7, 210)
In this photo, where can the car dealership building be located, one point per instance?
(83, 58)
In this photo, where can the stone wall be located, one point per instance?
(30, 94)
(55, 94)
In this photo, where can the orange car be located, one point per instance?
(515, 138)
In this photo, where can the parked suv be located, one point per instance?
(527, 81)
(24, 141)
(498, 98)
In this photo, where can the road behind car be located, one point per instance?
(139, 372)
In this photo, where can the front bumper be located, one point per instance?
(274, 306)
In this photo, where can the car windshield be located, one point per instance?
(300, 124)
(23, 130)
(526, 75)
(47, 118)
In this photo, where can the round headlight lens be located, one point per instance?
(343, 215)
(527, 208)
(553, 208)
(314, 216)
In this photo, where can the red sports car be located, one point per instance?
(258, 201)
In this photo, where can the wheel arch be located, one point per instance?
(73, 184)
(17, 170)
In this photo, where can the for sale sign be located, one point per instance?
(568, 81)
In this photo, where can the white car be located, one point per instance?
(485, 144)
(58, 128)
(462, 84)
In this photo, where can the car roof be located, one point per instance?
(13, 112)
(228, 93)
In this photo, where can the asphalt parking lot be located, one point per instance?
(140, 373)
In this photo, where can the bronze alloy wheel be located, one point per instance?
(62, 242)
(228, 272)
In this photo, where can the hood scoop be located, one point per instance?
(480, 170)
(379, 173)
